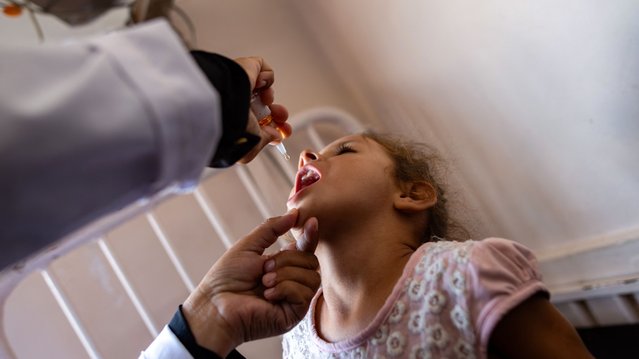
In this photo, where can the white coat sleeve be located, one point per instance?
(88, 127)
(165, 346)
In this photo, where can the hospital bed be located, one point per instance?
(107, 290)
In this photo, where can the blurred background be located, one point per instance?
(534, 105)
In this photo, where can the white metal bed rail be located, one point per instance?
(11, 277)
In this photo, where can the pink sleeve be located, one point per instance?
(503, 275)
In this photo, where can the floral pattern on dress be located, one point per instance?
(435, 301)
(464, 349)
(395, 344)
(427, 318)
(461, 255)
(421, 267)
(420, 352)
(459, 317)
(458, 283)
(416, 290)
(437, 336)
(435, 270)
(398, 312)
(359, 353)
(380, 335)
(417, 321)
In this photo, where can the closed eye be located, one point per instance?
(344, 148)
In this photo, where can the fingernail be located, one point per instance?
(269, 292)
(311, 226)
(261, 84)
(269, 278)
(269, 265)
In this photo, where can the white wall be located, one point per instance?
(536, 103)
(271, 29)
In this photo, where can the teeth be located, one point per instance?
(309, 177)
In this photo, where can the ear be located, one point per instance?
(415, 197)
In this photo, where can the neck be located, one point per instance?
(359, 269)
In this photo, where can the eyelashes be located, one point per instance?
(344, 148)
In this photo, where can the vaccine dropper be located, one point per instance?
(264, 118)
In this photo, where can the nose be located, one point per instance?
(307, 156)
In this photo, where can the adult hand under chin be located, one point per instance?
(306, 233)
(247, 295)
(306, 237)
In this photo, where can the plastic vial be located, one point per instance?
(264, 118)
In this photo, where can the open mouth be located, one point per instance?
(306, 176)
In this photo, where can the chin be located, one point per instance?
(303, 216)
(296, 202)
(305, 212)
(290, 206)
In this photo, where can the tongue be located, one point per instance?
(309, 178)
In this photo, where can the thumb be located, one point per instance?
(271, 134)
(264, 235)
(309, 239)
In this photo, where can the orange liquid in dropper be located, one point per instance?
(267, 120)
(12, 10)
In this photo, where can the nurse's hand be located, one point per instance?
(247, 295)
(261, 76)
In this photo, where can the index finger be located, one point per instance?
(279, 113)
(264, 235)
(266, 76)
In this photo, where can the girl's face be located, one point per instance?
(349, 179)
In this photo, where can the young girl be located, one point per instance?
(392, 287)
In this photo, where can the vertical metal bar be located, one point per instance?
(213, 217)
(128, 288)
(5, 348)
(577, 313)
(635, 297)
(179, 267)
(287, 169)
(251, 187)
(316, 140)
(286, 166)
(628, 308)
(70, 315)
(260, 201)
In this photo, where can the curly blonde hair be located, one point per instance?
(415, 161)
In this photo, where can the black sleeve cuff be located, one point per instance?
(180, 328)
(232, 84)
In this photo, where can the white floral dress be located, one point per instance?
(445, 305)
